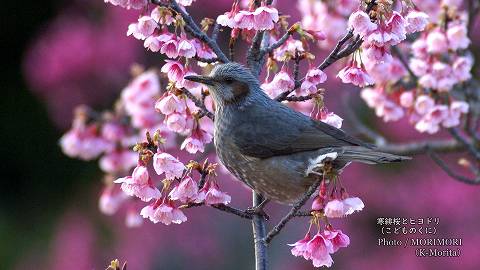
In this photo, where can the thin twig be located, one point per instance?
(275, 45)
(224, 208)
(404, 62)
(450, 171)
(199, 104)
(299, 98)
(206, 60)
(337, 52)
(278, 228)
(464, 141)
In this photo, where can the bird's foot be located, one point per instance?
(258, 210)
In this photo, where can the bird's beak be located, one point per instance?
(200, 79)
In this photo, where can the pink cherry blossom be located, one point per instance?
(334, 209)
(423, 104)
(168, 164)
(143, 28)
(361, 23)
(377, 54)
(203, 51)
(139, 185)
(179, 123)
(407, 99)
(165, 213)
(457, 37)
(389, 111)
(416, 21)
(83, 143)
(337, 238)
(430, 122)
(186, 48)
(372, 97)
(186, 191)
(300, 247)
(437, 42)
(340, 208)
(312, 79)
(355, 75)
(462, 68)
(265, 18)
(396, 25)
(118, 161)
(185, 3)
(137, 99)
(318, 250)
(210, 194)
(288, 49)
(174, 70)
(283, 81)
(332, 119)
(419, 66)
(164, 18)
(128, 4)
(152, 43)
(110, 202)
(228, 18)
(133, 219)
(170, 48)
(196, 141)
(352, 204)
(455, 111)
(245, 20)
(169, 104)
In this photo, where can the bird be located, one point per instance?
(273, 149)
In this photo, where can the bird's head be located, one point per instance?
(228, 83)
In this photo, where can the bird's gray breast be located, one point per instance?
(227, 151)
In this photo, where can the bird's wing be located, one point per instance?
(275, 130)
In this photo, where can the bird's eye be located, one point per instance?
(229, 80)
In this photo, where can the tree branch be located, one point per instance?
(199, 104)
(224, 208)
(293, 212)
(450, 172)
(259, 232)
(465, 142)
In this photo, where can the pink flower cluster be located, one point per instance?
(178, 185)
(328, 241)
(84, 142)
(378, 38)
(186, 191)
(436, 60)
(128, 4)
(262, 18)
(320, 247)
(178, 118)
(139, 100)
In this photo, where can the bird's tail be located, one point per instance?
(368, 156)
